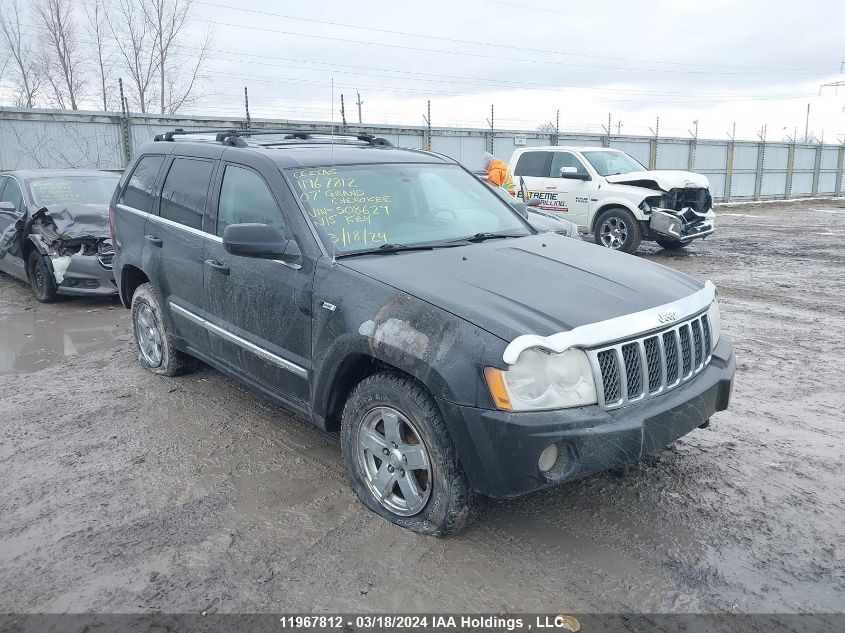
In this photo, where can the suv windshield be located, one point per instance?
(73, 190)
(610, 163)
(362, 207)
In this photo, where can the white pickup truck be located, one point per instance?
(610, 195)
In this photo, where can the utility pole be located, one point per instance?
(342, 110)
(246, 108)
(557, 128)
(360, 103)
(427, 119)
(807, 125)
(127, 143)
(619, 128)
(490, 121)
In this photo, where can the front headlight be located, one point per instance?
(539, 380)
(715, 324)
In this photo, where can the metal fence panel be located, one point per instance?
(711, 157)
(774, 184)
(717, 184)
(742, 185)
(802, 183)
(745, 156)
(827, 182)
(672, 155)
(776, 157)
(830, 156)
(805, 158)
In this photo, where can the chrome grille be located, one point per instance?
(632, 370)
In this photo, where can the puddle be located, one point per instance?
(32, 340)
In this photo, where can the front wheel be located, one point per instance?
(619, 230)
(41, 278)
(671, 245)
(400, 458)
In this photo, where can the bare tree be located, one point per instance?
(95, 15)
(135, 39)
(26, 79)
(62, 59)
(177, 74)
(547, 128)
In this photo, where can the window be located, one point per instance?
(139, 192)
(565, 159)
(185, 191)
(12, 193)
(245, 197)
(612, 162)
(72, 190)
(533, 164)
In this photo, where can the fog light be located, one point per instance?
(547, 458)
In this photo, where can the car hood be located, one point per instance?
(541, 284)
(664, 179)
(77, 221)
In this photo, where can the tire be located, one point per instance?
(618, 230)
(156, 351)
(434, 499)
(41, 278)
(671, 245)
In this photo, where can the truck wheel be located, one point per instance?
(41, 278)
(400, 458)
(671, 245)
(156, 352)
(619, 230)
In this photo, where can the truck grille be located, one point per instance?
(647, 366)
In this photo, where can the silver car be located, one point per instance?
(54, 231)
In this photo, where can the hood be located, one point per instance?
(541, 284)
(664, 179)
(77, 221)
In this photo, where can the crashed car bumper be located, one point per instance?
(502, 460)
(83, 275)
(672, 225)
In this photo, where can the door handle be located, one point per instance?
(220, 267)
(155, 240)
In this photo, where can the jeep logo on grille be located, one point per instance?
(667, 317)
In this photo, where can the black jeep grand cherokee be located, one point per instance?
(389, 293)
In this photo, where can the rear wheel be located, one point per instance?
(400, 458)
(618, 230)
(156, 352)
(41, 278)
(671, 245)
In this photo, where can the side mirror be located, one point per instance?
(519, 206)
(259, 240)
(534, 202)
(572, 174)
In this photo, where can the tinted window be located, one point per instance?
(245, 197)
(565, 159)
(12, 193)
(139, 192)
(533, 164)
(185, 191)
(612, 162)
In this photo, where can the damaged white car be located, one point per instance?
(610, 195)
(54, 231)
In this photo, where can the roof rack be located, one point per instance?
(234, 138)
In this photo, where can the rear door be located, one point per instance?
(175, 242)
(11, 256)
(532, 170)
(259, 309)
(572, 195)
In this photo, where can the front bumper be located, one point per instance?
(499, 449)
(85, 275)
(681, 227)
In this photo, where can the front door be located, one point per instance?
(11, 223)
(572, 194)
(259, 309)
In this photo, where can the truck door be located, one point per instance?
(570, 180)
(532, 168)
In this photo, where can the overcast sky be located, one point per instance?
(715, 61)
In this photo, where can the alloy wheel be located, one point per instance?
(614, 233)
(148, 334)
(394, 460)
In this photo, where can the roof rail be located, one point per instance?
(234, 137)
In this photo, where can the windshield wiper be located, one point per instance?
(481, 237)
(386, 249)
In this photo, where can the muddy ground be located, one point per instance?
(123, 491)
